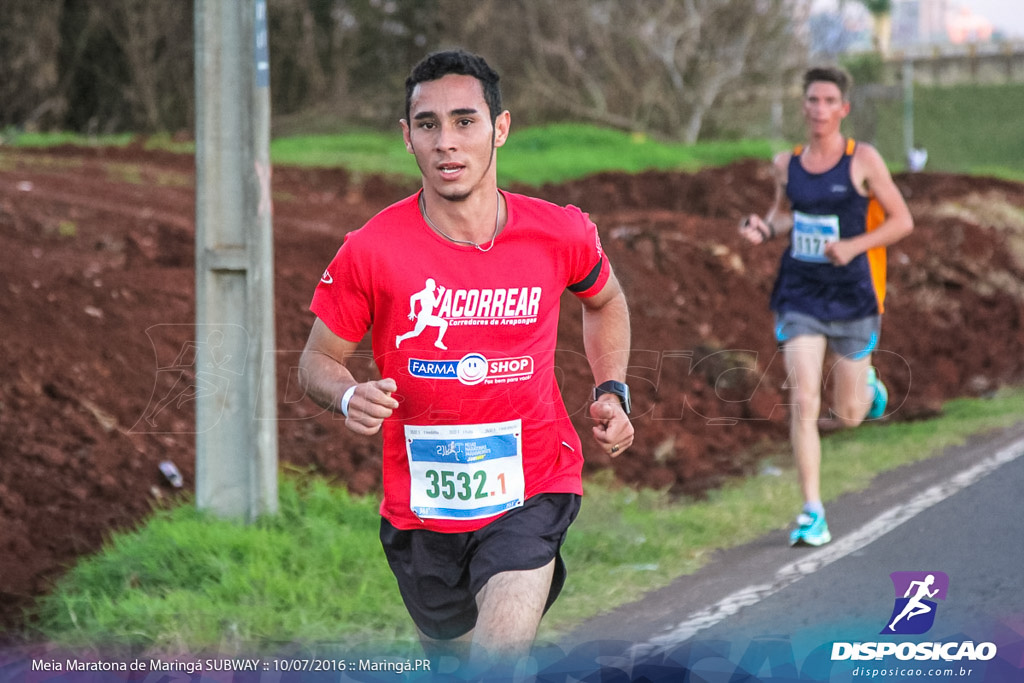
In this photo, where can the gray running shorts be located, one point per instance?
(853, 339)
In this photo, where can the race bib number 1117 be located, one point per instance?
(811, 234)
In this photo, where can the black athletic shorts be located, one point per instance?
(440, 574)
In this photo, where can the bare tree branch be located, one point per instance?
(645, 65)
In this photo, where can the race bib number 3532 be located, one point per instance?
(465, 471)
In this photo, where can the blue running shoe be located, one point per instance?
(881, 396)
(811, 530)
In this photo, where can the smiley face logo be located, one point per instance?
(472, 369)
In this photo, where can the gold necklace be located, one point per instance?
(442, 233)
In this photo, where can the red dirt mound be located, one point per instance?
(97, 309)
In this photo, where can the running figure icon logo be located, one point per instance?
(914, 609)
(428, 298)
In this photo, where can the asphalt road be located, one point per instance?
(766, 611)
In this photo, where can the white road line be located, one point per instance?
(793, 572)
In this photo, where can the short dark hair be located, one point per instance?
(829, 74)
(439, 64)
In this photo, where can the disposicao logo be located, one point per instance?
(915, 607)
(913, 613)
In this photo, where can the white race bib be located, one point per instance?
(465, 471)
(811, 234)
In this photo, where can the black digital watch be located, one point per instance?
(612, 387)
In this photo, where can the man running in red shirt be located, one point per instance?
(481, 464)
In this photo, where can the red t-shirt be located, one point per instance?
(470, 338)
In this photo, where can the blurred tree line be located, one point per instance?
(676, 69)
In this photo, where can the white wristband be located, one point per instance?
(345, 398)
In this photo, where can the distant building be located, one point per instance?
(841, 26)
(930, 22)
(920, 22)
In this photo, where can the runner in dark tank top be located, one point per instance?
(840, 208)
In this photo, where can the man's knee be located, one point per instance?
(850, 413)
(806, 403)
(436, 648)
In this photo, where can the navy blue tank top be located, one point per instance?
(826, 207)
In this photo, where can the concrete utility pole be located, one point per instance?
(236, 391)
(909, 142)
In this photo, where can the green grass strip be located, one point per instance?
(187, 582)
(545, 154)
(532, 156)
